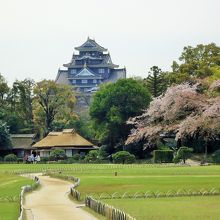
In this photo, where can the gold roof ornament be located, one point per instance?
(85, 65)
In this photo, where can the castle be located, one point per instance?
(89, 68)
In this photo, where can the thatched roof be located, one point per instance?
(22, 141)
(67, 138)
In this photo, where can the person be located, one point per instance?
(29, 159)
(32, 158)
(37, 158)
(25, 159)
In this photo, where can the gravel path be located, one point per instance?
(51, 202)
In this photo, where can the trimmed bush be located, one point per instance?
(10, 158)
(163, 156)
(44, 159)
(216, 156)
(57, 154)
(76, 157)
(123, 157)
(92, 156)
(183, 154)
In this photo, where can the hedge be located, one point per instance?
(163, 156)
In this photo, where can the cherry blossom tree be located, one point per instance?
(183, 111)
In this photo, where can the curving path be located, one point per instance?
(51, 202)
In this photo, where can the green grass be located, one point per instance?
(10, 188)
(143, 179)
(9, 210)
(179, 208)
(138, 178)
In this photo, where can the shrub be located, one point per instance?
(44, 159)
(20, 160)
(123, 157)
(216, 156)
(183, 154)
(93, 155)
(76, 157)
(10, 158)
(163, 156)
(57, 154)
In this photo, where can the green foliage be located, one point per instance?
(183, 153)
(216, 156)
(57, 154)
(16, 105)
(21, 97)
(156, 82)
(92, 156)
(4, 89)
(123, 157)
(196, 62)
(82, 125)
(162, 156)
(5, 140)
(44, 159)
(10, 158)
(112, 105)
(52, 102)
(104, 151)
(76, 157)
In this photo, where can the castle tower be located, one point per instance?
(90, 67)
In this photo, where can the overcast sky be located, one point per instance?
(38, 36)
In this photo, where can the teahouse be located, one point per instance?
(22, 143)
(68, 140)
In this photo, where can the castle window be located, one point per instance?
(73, 81)
(84, 81)
(94, 80)
(73, 71)
(101, 70)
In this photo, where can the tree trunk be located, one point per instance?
(206, 151)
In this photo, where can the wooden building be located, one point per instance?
(68, 140)
(22, 144)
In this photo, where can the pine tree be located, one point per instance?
(155, 81)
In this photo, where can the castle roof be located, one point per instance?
(90, 45)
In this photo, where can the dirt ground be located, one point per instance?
(51, 202)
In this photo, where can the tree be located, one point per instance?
(183, 153)
(155, 82)
(52, 101)
(182, 111)
(196, 62)
(4, 89)
(20, 105)
(112, 105)
(5, 140)
(10, 158)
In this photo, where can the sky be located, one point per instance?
(38, 36)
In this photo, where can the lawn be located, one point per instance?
(132, 178)
(10, 188)
(179, 208)
(143, 179)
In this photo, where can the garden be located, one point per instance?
(145, 191)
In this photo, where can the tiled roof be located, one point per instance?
(90, 45)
